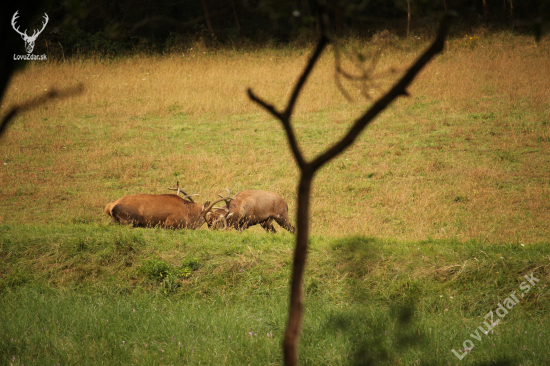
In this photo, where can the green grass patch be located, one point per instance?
(89, 294)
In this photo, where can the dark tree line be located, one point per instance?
(111, 27)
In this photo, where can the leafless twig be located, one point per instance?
(308, 169)
(35, 102)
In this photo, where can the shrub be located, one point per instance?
(155, 269)
(159, 270)
(191, 263)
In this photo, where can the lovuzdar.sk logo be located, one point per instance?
(29, 40)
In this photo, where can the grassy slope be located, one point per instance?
(75, 293)
(455, 179)
(466, 157)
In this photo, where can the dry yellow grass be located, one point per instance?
(467, 155)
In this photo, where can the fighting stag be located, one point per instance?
(161, 210)
(29, 41)
(248, 208)
(214, 219)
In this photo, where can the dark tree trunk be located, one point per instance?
(512, 13)
(309, 14)
(236, 17)
(318, 23)
(207, 17)
(294, 324)
(408, 17)
(338, 18)
(308, 169)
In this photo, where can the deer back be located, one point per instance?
(148, 210)
(257, 206)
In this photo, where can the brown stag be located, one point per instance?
(248, 208)
(162, 210)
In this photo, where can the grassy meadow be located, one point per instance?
(428, 222)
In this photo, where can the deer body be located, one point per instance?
(249, 208)
(159, 210)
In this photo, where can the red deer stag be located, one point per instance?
(162, 210)
(248, 208)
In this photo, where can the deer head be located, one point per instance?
(212, 219)
(29, 41)
(216, 219)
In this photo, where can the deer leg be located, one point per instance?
(231, 221)
(246, 224)
(268, 226)
(242, 224)
(285, 224)
(172, 223)
(125, 215)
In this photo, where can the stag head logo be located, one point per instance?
(29, 41)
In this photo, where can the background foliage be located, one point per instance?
(121, 26)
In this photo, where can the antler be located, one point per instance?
(35, 35)
(213, 203)
(222, 218)
(13, 19)
(177, 189)
(229, 195)
(188, 196)
(227, 201)
(222, 208)
(24, 34)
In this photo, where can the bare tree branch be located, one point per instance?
(399, 89)
(33, 103)
(323, 42)
(286, 124)
(366, 73)
(307, 170)
(269, 107)
(285, 116)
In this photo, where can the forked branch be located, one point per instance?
(307, 171)
(284, 117)
(54, 93)
(399, 89)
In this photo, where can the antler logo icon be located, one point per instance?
(29, 41)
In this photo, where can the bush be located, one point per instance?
(191, 263)
(159, 270)
(155, 269)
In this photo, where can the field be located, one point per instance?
(420, 229)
